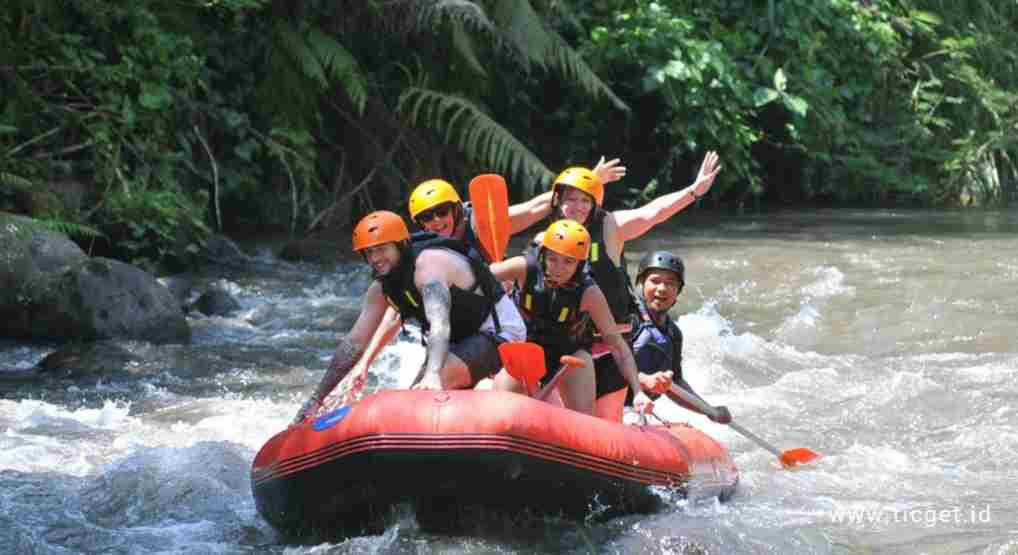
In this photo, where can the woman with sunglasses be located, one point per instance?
(437, 207)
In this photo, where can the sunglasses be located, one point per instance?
(428, 215)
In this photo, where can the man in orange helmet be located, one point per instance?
(555, 295)
(437, 207)
(464, 312)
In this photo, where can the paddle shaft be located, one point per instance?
(777, 452)
(710, 410)
(695, 401)
(550, 386)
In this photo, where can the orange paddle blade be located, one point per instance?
(569, 360)
(523, 361)
(798, 456)
(490, 199)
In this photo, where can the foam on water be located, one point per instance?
(908, 391)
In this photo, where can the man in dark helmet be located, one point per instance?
(657, 341)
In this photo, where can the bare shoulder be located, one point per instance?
(443, 265)
(441, 258)
(374, 290)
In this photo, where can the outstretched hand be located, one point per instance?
(721, 415)
(709, 169)
(309, 409)
(609, 171)
(656, 383)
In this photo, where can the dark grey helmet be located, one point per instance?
(661, 260)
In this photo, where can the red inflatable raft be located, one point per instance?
(444, 451)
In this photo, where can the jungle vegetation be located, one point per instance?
(142, 127)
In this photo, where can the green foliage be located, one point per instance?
(474, 133)
(154, 228)
(869, 100)
(72, 229)
(707, 92)
(173, 114)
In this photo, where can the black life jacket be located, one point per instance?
(667, 339)
(613, 280)
(469, 308)
(469, 237)
(552, 314)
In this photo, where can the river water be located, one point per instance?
(882, 339)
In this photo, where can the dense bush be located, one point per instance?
(843, 99)
(182, 118)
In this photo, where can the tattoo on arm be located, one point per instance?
(346, 356)
(438, 309)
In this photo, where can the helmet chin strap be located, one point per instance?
(457, 218)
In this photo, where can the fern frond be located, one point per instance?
(480, 138)
(285, 91)
(466, 16)
(71, 228)
(543, 46)
(304, 64)
(560, 9)
(431, 13)
(574, 68)
(524, 29)
(297, 50)
(464, 45)
(340, 67)
(15, 181)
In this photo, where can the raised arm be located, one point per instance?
(634, 223)
(348, 351)
(511, 269)
(383, 336)
(526, 214)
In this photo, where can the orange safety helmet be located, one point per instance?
(582, 179)
(378, 228)
(567, 238)
(430, 194)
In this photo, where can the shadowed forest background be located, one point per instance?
(140, 128)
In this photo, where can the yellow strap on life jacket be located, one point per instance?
(411, 299)
(593, 252)
(563, 314)
(528, 301)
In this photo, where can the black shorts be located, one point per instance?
(480, 353)
(609, 379)
(552, 355)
